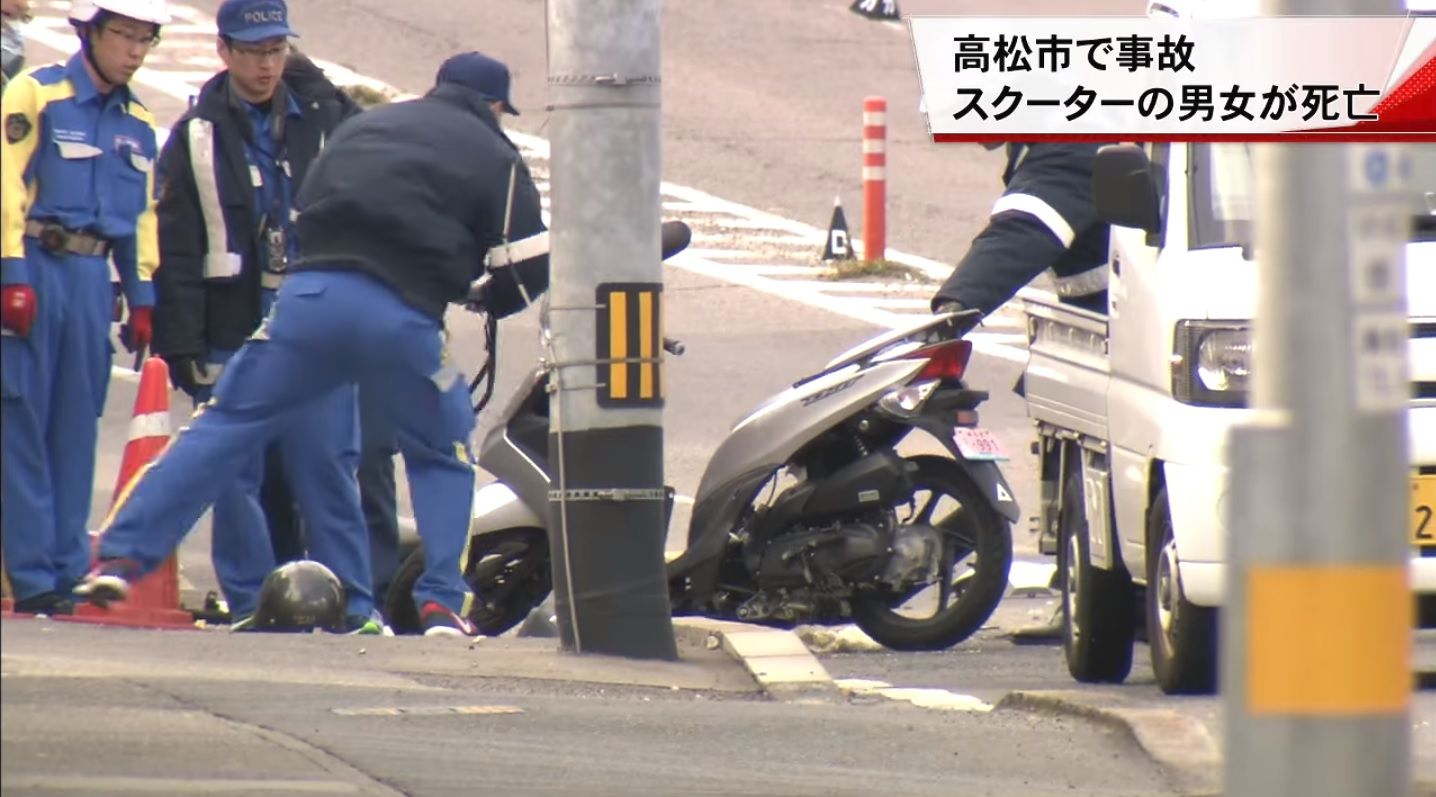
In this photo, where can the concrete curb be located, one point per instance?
(1179, 744)
(777, 659)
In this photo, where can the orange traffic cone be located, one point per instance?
(154, 599)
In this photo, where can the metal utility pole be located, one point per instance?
(1318, 620)
(607, 516)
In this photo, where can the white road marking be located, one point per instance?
(940, 699)
(114, 784)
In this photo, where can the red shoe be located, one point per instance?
(439, 621)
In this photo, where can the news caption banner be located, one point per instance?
(1151, 79)
(1366, 81)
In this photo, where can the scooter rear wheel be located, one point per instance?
(973, 529)
(508, 571)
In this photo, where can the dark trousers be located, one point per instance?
(286, 529)
(377, 493)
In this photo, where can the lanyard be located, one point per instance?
(276, 197)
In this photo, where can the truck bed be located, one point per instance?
(1067, 368)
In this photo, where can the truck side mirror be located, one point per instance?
(1124, 188)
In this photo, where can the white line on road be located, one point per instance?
(112, 784)
(940, 699)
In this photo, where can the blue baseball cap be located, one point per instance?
(478, 72)
(254, 20)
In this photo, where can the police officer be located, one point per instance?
(1045, 219)
(397, 216)
(77, 170)
(228, 176)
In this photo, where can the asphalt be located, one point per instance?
(1010, 668)
(209, 712)
(1016, 662)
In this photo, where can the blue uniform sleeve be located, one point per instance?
(20, 111)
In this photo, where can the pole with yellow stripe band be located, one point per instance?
(629, 343)
(602, 330)
(1317, 620)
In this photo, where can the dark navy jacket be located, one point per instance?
(208, 287)
(1045, 219)
(414, 194)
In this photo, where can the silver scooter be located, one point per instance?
(806, 512)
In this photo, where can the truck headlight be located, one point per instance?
(1211, 363)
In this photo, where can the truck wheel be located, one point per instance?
(1097, 609)
(1182, 635)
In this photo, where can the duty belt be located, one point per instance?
(56, 238)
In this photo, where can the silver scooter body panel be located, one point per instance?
(771, 434)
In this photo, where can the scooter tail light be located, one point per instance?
(946, 361)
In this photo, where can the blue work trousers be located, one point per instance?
(318, 452)
(328, 328)
(52, 391)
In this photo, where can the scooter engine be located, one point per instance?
(846, 552)
(916, 557)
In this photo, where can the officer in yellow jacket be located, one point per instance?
(77, 189)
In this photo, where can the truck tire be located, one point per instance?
(1097, 627)
(1182, 635)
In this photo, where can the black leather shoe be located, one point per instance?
(50, 603)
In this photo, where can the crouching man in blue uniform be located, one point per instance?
(228, 175)
(396, 217)
(77, 188)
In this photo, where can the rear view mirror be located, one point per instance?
(1125, 189)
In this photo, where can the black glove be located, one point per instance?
(189, 374)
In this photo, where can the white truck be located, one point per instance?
(1132, 411)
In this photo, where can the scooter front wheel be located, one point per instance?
(972, 578)
(508, 571)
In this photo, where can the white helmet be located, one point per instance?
(152, 11)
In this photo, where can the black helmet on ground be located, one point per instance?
(300, 596)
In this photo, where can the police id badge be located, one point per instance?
(277, 249)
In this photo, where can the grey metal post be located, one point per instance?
(607, 509)
(1317, 626)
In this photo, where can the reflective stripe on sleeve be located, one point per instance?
(1040, 210)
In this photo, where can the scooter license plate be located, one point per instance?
(979, 444)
